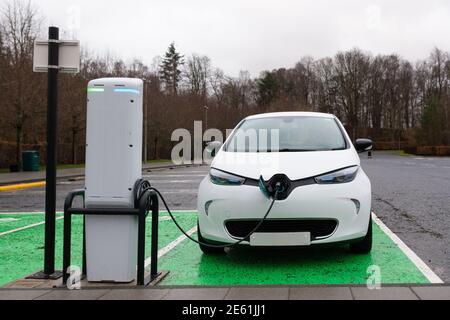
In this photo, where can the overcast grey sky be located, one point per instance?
(253, 35)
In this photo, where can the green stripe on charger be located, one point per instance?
(95, 90)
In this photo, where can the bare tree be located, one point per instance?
(351, 68)
(197, 72)
(20, 25)
(385, 97)
(217, 80)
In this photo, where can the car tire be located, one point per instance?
(206, 249)
(365, 245)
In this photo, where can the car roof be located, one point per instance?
(291, 114)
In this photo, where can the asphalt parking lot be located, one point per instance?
(179, 187)
(410, 196)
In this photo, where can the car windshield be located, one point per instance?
(287, 134)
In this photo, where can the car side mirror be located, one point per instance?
(212, 148)
(363, 145)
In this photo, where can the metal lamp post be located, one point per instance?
(206, 108)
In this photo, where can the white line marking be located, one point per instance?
(171, 246)
(26, 227)
(162, 219)
(25, 213)
(8, 220)
(422, 266)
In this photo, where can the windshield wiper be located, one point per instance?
(296, 150)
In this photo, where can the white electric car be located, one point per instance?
(307, 162)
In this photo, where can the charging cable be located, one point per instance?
(142, 186)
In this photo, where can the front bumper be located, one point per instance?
(349, 204)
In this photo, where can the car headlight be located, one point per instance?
(225, 179)
(340, 176)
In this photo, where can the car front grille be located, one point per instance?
(319, 228)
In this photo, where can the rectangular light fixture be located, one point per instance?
(124, 90)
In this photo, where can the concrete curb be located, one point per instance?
(20, 186)
(344, 292)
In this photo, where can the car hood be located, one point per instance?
(295, 165)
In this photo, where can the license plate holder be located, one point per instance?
(267, 239)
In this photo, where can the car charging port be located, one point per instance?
(278, 187)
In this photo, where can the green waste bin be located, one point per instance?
(30, 161)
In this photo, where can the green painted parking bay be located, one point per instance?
(295, 266)
(22, 242)
(22, 254)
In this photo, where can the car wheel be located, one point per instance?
(365, 245)
(206, 249)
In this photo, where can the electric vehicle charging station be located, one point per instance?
(113, 165)
(117, 200)
(187, 263)
(114, 143)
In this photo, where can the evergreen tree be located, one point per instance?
(267, 89)
(170, 72)
(432, 125)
